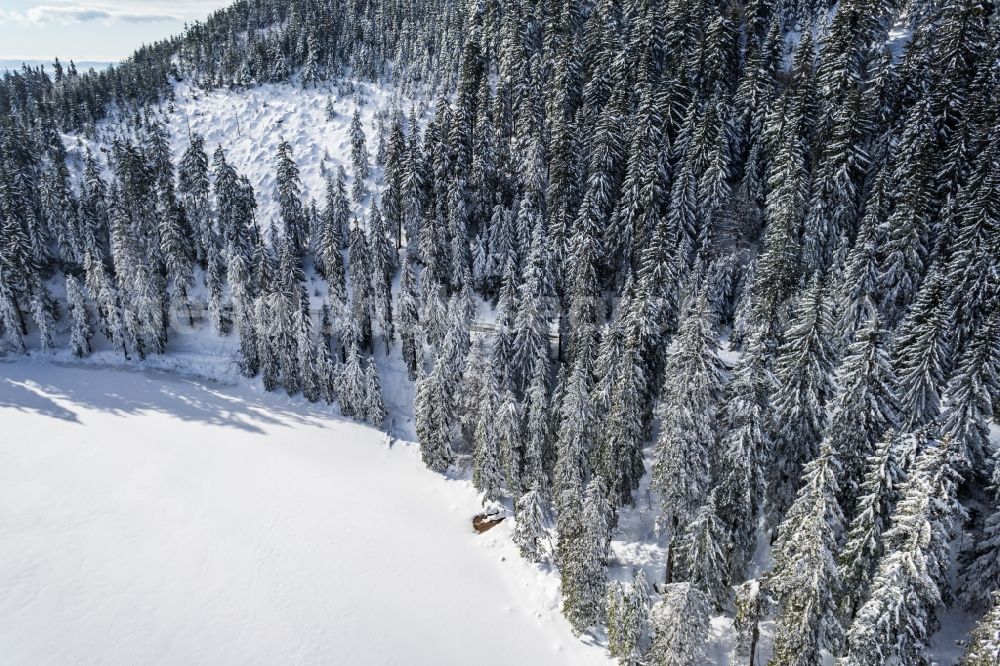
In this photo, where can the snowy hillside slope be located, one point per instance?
(151, 519)
(249, 125)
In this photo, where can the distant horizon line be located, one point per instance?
(8, 63)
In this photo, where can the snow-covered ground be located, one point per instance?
(146, 518)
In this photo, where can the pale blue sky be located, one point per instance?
(91, 29)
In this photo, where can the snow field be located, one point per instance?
(153, 519)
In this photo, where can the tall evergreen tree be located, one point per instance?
(803, 368)
(408, 318)
(359, 158)
(744, 454)
(583, 565)
(865, 406)
(692, 389)
(680, 626)
(984, 646)
(80, 328)
(805, 577)
(293, 216)
(910, 583)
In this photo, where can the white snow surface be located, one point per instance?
(147, 518)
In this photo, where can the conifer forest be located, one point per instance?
(731, 265)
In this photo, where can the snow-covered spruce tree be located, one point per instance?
(193, 189)
(176, 249)
(537, 406)
(779, 268)
(690, 395)
(312, 71)
(574, 440)
(509, 431)
(744, 454)
(93, 211)
(680, 622)
(293, 217)
(858, 295)
(383, 260)
(305, 355)
(226, 187)
(360, 270)
(408, 319)
(837, 181)
(352, 389)
(503, 247)
(683, 211)
(910, 585)
(374, 408)
(331, 239)
(583, 562)
(803, 369)
(359, 158)
(24, 249)
(270, 370)
(584, 296)
(863, 547)
(43, 313)
(529, 530)
(414, 188)
(395, 175)
(434, 405)
(341, 206)
(215, 282)
(624, 396)
(981, 575)
(326, 370)
(751, 608)
(59, 207)
(805, 577)
(907, 234)
(81, 331)
(433, 241)
(701, 552)
(503, 339)
(968, 401)
(973, 269)
(618, 638)
(487, 468)
(641, 186)
(471, 390)
(459, 261)
(531, 322)
(243, 247)
(864, 408)
(339, 318)
(628, 620)
(142, 302)
(433, 311)
(984, 644)
(608, 361)
(922, 353)
(109, 312)
(10, 320)
(287, 302)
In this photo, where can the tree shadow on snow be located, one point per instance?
(25, 396)
(49, 391)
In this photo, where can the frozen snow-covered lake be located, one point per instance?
(149, 519)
